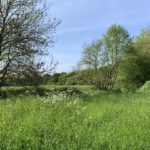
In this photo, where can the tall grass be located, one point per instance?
(102, 121)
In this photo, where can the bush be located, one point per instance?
(41, 91)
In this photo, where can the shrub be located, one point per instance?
(41, 91)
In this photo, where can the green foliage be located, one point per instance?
(134, 71)
(103, 57)
(26, 30)
(135, 67)
(116, 42)
(142, 42)
(62, 78)
(91, 54)
(57, 78)
(116, 61)
(6, 92)
(72, 80)
(47, 79)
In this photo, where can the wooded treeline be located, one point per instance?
(117, 61)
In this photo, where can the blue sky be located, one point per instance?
(83, 21)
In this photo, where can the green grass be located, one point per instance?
(145, 87)
(101, 121)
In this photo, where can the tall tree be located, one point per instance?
(116, 43)
(25, 31)
(103, 57)
(135, 67)
(91, 60)
(91, 55)
(142, 42)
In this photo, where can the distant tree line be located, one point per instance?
(116, 61)
(61, 78)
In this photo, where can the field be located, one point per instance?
(94, 121)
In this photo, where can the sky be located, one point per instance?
(83, 21)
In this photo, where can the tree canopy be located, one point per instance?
(25, 32)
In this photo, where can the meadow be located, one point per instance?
(93, 121)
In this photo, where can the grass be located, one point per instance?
(145, 87)
(101, 121)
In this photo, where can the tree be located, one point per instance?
(62, 78)
(91, 60)
(25, 31)
(116, 42)
(47, 79)
(103, 57)
(55, 78)
(91, 55)
(30, 75)
(135, 71)
(135, 67)
(142, 42)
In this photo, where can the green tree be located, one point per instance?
(103, 57)
(91, 61)
(62, 78)
(91, 55)
(55, 78)
(25, 32)
(116, 42)
(135, 67)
